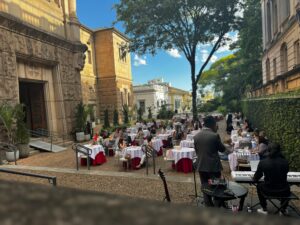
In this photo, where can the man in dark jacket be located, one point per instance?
(274, 169)
(207, 145)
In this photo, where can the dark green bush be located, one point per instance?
(280, 119)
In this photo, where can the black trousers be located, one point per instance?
(262, 189)
(204, 177)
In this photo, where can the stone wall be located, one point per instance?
(37, 49)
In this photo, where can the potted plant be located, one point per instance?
(7, 120)
(21, 135)
(81, 117)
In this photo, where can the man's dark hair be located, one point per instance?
(274, 150)
(209, 121)
(149, 138)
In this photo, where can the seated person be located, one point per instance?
(274, 169)
(262, 147)
(229, 128)
(121, 146)
(140, 137)
(149, 148)
(229, 149)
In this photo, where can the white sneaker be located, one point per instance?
(262, 211)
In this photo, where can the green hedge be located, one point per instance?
(280, 119)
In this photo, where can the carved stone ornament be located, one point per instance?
(79, 61)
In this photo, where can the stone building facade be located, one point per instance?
(41, 57)
(281, 38)
(50, 63)
(156, 93)
(113, 66)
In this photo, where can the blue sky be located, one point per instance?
(171, 66)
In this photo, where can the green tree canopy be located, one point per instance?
(180, 24)
(236, 74)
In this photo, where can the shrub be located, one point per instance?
(125, 112)
(279, 118)
(116, 118)
(106, 119)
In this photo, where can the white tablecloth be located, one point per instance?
(146, 133)
(163, 136)
(134, 151)
(189, 153)
(194, 132)
(157, 144)
(95, 150)
(241, 154)
(190, 137)
(187, 144)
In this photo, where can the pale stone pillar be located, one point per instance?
(72, 10)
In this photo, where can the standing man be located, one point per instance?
(207, 145)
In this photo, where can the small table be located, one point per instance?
(187, 144)
(220, 192)
(157, 144)
(97, 154)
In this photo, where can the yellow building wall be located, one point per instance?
(114, 74)
(88, 74)
(44, 14)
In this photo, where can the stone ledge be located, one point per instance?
(23, 203)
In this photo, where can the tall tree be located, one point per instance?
(180, 24)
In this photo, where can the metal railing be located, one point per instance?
(52, 180)
(78, 148)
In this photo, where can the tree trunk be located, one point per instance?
(194, 90)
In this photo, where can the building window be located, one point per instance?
(267, 70)
(284, 58)
(122, 100)
(142, 105)
(297, 52)
(286, 8)
(177, 103)
(269, 27)
(274, 68)
(128, 97)
(89, 57)
(275, 17)
(122, 53)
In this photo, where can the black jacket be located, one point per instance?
(275, 172)
(207, 145)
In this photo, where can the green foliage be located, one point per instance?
(81, 115)
(90, 112)
(7, 118)
(210, 106)
(106, 119)
(180, 24)
(140, 114)
(12, 119)
(164, 113)
(125, 112)
(22, 135)
(222, 109)
(116, 118)
(279, 118)
(236, 74)
(150, 113)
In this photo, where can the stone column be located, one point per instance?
(72, 11)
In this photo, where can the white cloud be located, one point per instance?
(174, 53)
(226, 48)
(204, 55)
(139, 61)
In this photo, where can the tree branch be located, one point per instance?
(216, 46)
